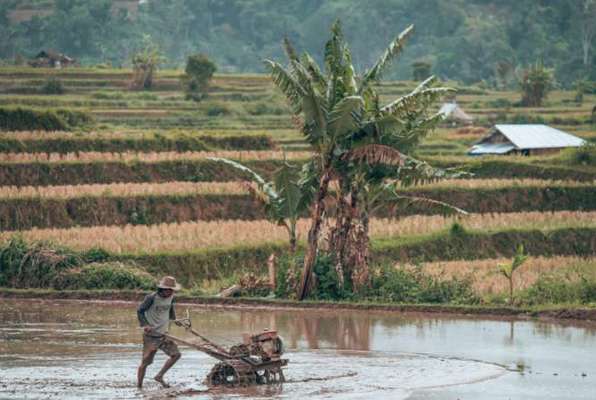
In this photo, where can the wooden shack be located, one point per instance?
(51, 59)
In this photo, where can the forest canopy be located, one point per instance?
(465, 40)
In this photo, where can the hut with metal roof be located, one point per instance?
(51, 59)
(524, 140)
(453, 112)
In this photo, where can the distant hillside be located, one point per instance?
(467, 40)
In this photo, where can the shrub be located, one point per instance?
(535, 83)
(402, 285)
(25, 119)
(326, 286)
(551, 289)
(583, 155)
(286, 276)
(111, 275)
(52, 86)
(499, 103)
(24, 266)
(198, 72)
(217, 109)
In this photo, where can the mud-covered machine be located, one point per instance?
(255, 361)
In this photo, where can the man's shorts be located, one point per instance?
(153, 343)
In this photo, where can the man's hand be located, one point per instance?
(147, 329)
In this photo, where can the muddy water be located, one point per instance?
(83, 350)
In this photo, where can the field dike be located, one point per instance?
(59, 142)
(507, 168)
(77, 173)
(44, 173)
(106, 209)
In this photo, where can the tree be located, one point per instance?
(144, 64)
(535, 82)
(586, 12)
(198, 72)
(508, 270)
(284, 199)
(357, 142)
(505, 73)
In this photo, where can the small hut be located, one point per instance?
(524, 140)
(453, 112)
(51, 59)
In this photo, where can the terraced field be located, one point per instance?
(139, 184)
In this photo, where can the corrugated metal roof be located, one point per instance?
(491, 148)
(538, 137)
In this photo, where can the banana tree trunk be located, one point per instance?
(341, 238)
(361, 252)
(313, 235)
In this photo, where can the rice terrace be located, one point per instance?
(273, 199)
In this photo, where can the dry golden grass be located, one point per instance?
(487, 280)
(150, 157)
(499, 184)
(121, 190)
(127, 134)
(188, 236)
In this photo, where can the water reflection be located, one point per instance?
(115, 323)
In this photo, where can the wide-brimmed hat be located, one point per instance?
(168, 282)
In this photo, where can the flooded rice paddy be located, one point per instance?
(90, 350)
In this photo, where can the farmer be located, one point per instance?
(155, 314)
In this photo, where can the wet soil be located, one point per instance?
(78, 349)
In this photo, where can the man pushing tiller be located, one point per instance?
(155, 314)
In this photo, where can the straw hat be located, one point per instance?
(168, 282)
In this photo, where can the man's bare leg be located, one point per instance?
(147, 360)
(169, 364)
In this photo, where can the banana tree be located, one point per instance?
(284, 199)
(358, 142)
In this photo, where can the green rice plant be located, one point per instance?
(508, 270)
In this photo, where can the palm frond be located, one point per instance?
(289, 50)
(349, 75)
(289, 86)
(416, 172)
(313, 105)
(418, 100)
(375, 154)
(449, 208)
(345, 116)
(406, 134)
(392, 51)
(258, 179)
(315, 72)
(264, 192)
(334, 51)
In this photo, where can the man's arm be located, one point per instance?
(173, 311)
(144, 307)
